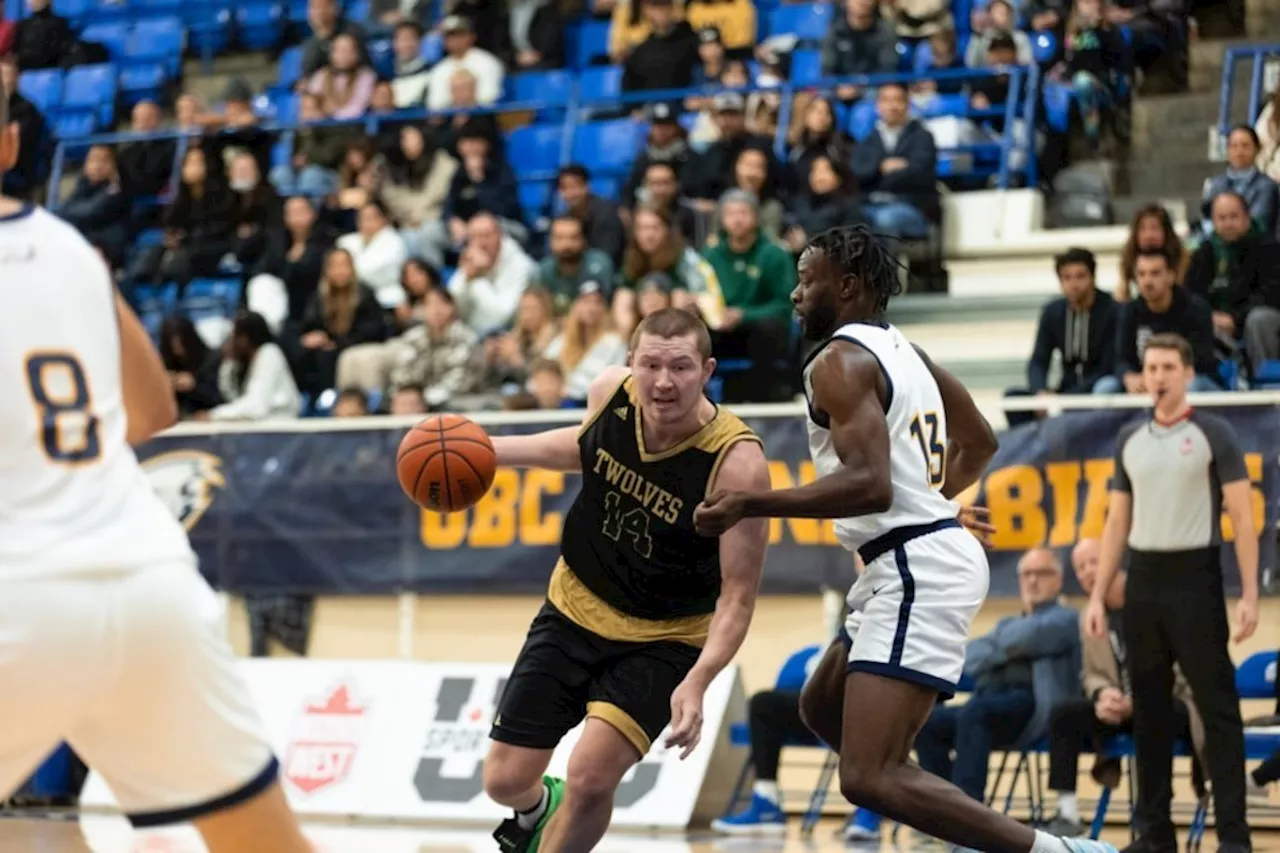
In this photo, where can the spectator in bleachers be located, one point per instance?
(706, 126)
(599, 216)
(995, 91)
(197, 226)
(23, 177)
(998, 20)
(629, 26)
(1093, 54)
(42, 39)
(654, 294)
(256, 209)
(492, 273)
(1158, 34)
(408, 400)
(830, 199)
(357, 178)
(734, 22)
(461, 52)
(343, 313)
(667, 143)
(146, 166)
(1023, 669)
(714, 171)
(661, 190)
(417, 185)
(531, 37)
(254, 378)
(1243, 177)
(1268, 129)
(1151, 228)
(378, 252)
(1237, 271)
(507, 356)
(756, 277)
(350, 403)
(587, 343)
(486, 17)
(345, 84)
(655, 246)
(712, 58)
(546, 384)
(859, 42)
(815, 133)
(1106, 709)
(751, 175)
(191, 364)
(98, 207)
(318, 152)
(449, 130)
(570, 262)
(666, 59)
(440, 355)
(916, 20)
(236, 128)
(416, 279)
(1049, 16)
(896, 167)
(942, 57)
(1161, 307)
(383, 103)
(327, 23)
(412, 74)
(283, 282)
(484, 184)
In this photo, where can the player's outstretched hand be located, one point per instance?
(977, 520)
(686, 719)
(720, 511)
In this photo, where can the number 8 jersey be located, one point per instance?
(73, 498)
(917, 426)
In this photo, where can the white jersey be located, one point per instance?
(917, 425)
(73, 498)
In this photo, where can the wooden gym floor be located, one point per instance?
(113, 835)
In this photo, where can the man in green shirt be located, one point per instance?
(756, 279)
(570, 263)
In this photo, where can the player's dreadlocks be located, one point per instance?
(858, 252)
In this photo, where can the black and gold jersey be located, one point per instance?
(629, 538)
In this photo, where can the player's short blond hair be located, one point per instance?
(674, 323)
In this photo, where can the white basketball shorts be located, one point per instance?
(134, 671)
(910, 611)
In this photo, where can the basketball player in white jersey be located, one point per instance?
(110, 639)
(893, 438)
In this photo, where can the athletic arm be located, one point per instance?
(971, 442)
(149, 402)
(1237, 497)
(557, 449)
(1115, 533)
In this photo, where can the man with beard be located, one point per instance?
(570, 263)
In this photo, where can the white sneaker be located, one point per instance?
(1088, 845)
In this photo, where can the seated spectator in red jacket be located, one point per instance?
(97, 206)
(897, 168)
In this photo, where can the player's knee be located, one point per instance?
(507, 780)
(865, 786)
(589, 786)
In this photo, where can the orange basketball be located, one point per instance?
(446, 463)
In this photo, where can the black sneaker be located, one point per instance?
(1146, 844)
(512, 837)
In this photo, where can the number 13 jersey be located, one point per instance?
(917, 426)
(73, 498)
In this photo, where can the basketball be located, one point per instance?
(446, 463)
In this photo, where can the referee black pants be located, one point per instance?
(1175, 611)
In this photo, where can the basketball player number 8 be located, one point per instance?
(60, 392)
(935, 453)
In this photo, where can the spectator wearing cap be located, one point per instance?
(666, 59)
(629, 27)
(587, 343)
(492, 273)
(896, 166)
(599, 216)
(411, 75)
(715, 170)
(859, 42)
(461, 52)
(571, 262)
(661, 190)
(41, 39)
(734, 22)
(327, 21)
(667, 143)
(711, 58)
(756, 277)
(531, 36)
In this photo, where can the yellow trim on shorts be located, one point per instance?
(622, 721)
(568, 594)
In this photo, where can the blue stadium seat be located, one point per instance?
(161, 40)
(145, 10)
(12, 10)
(212, 297)
(608, 147)
(600, 83)
(91, 87)
(1268, 375)
(155, 297)
(1044, 47)
(593, 43)
(862, 120)
(534, 151)
(42, 88)
(286, 108)
(382, 56)
(357, 10)
(945, 105)
(535, 200)
(806, 21)
(142, 82)
(551, 88)
(1057, 105)
(432, 48)
(259, 24)
(114, 36)
(906, 55)
(289, 67)
(606, 188)
(208, 25)
(806, 67)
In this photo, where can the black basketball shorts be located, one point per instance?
(565, 673)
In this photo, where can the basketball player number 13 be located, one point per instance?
(60, 392)
(935, 453)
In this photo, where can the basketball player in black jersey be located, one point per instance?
(642, 612)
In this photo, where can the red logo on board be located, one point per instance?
(325, 740)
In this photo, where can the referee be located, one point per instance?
(1174, 471)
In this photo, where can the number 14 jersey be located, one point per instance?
(629, 537)
(73, 498)
(917, 425)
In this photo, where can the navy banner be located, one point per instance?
(321, 512)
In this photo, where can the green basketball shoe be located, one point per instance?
(513, 838)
